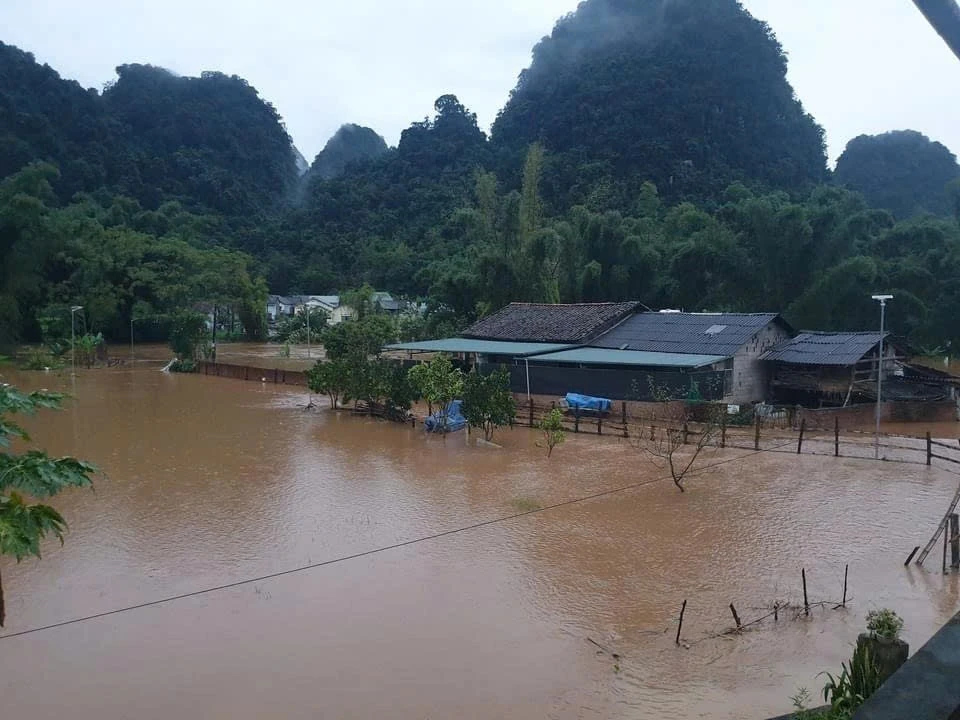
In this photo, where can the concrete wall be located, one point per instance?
(750, 380)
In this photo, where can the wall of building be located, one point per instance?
(750, 378)
(614, 384)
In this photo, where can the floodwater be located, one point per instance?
(210, 481)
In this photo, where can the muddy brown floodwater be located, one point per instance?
(211, 481)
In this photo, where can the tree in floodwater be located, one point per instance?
(439, 383)
(34, 474)
(487, 401)
(187, 328)
(552, 428)
(331, 378)
(672, 448)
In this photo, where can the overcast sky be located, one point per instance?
(859, 66)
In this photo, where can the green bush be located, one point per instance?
(884, 624)
(39, 359)
(183, 366)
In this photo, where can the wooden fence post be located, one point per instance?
(599, 425)
(680, 624)
(929, 447)
(954, 540)
(946, 538)
(803, 425)
(736, 618)
(531, 412)
(756, 433)
(623, 417)
(806, 602)
(576, 422)
(836, 436)
(723, 431)
(846, 569)
(685, 432)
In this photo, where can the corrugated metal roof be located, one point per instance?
(824, 348)
(606, 356)
(484, 347)
(532, 322)
(687, 333)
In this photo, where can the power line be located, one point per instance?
(374, 551)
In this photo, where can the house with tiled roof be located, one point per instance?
(570, 324)
(740, 339)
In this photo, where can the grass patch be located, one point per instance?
(525, 504)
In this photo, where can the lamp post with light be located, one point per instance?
(882, 299)
(73, 338)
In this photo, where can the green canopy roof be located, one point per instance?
(483, 347)
(607, 356)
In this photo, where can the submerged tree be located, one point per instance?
(330, 378)
(439, 383)
(24, 524)
(187, 328)
(672, 447)
(487, 401)
(552, 428)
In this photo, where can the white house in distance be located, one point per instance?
(281, 306)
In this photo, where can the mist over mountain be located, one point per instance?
(350, 144)
(689, 94)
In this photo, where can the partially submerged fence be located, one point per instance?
(769, 434)
(258, 374)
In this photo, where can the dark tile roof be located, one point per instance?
(824, 348)
(529, 322)
(695, 333)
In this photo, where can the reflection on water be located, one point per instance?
(210, 481)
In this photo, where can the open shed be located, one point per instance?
(830, 368)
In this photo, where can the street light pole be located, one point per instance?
(882, 299)
(73, 338)
(306, 309)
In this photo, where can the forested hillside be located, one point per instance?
(653, 150)
(210, 142)
(690, 95)
(904, 172)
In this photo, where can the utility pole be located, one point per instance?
(882, 299)
(73, 338)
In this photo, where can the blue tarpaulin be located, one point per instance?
(455, 419)
(585, 403)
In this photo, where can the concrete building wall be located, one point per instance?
(749, 381)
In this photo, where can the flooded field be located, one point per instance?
(209, 482)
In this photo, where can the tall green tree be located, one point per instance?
(487, 401)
